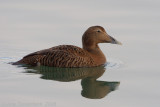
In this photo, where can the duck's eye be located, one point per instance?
(98, 31)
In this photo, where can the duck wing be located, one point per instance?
(60, 56)
(68, 48)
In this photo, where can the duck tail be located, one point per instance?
(18, 62)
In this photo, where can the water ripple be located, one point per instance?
(113, 63)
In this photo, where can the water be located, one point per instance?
(129, 79)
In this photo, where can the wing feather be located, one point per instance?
(60, 56)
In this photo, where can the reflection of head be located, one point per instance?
(94, 89)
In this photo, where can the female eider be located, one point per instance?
(72, 56)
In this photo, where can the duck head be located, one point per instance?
(94, 35)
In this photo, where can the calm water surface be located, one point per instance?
(129, 79)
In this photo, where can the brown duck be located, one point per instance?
(72, 56)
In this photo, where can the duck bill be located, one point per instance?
(114, 41)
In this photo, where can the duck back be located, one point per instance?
(60, 56)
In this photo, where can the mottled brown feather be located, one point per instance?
(60, 56)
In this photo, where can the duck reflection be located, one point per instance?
(91, 87)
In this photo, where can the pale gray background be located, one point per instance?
(30, 25)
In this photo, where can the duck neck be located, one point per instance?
(95, 53)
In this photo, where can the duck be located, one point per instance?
(70, 56)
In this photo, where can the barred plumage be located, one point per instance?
(60, 56)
